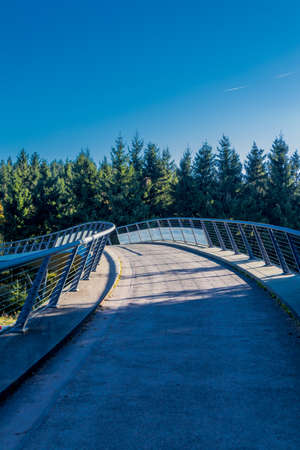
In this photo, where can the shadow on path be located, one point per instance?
(194, 363)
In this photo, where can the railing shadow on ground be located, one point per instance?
(199, 356)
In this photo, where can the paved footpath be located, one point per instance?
(185, 354)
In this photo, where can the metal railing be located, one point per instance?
(275, 245)
(56, 239)
(34, 272)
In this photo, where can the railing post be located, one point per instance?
(45, 283)
(278, 252)
(41, 243)
(138, 230)
(21, 322)
(118, 236)
(157, 222)
(6, 249)
(62, 280)
(49, 239)
(181, 229)
(74, 238)
(246, 242)
(89, 229)
(261, 246)
(25, 246)
(33, 245)
(192, 227)
(149, 231)
(69, 235)
(294, 250)
(231, 238)
(96, 251)
(129, 238)
(89, 263)
(82, 233)
(93, 229)
(63, 238)
(99, 253)
(171, 231)
(220, 239)
(16, 249)
(210, 244)
(75, 282)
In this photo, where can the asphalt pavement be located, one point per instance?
(184, 354)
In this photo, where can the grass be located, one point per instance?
(7, 320)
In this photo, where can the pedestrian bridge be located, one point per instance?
(186, 350)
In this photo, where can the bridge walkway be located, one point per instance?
(185, 354)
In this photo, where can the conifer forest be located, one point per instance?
(141, 181)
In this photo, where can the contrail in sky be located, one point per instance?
(279, 76)
(285, 75)
(235, 88)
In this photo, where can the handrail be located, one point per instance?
(19, 260)
(274, 245)
(31, 277)
(55, 239)
(35, 271)
(243, 222)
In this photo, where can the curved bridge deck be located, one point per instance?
(185, 354)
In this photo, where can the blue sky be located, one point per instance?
(77, 73)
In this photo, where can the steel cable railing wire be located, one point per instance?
(274, 245)
(56, 239)
(34, 272)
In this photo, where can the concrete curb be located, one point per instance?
(288, 302)
(49, 330)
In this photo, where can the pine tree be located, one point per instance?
(34, 169)
(160, 179)
(52, 200)
(137, 192)
(229, 176)
(166, 185)
(151, 174)
(118, 193)
(37, 197)
(2, 220)
(204, 172)
(33, 179)
(280, 184)
(254, 189)
(105, 178)
(184, 190)
(255, 167)
(294, 221)
(152, 166)
(5, 177)
(84, 188)
(17, 203)
(46, 200)
(65, 179)
(135, 154)
(295, 169)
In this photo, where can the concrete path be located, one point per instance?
(286, 287)
(47, 328)
(185, 354)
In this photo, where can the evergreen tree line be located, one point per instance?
(141, 182)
